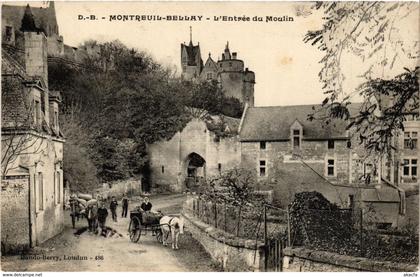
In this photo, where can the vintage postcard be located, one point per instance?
(209, 137)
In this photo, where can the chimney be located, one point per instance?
(36, 59)
(234, 54)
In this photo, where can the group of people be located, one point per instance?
(103, 211)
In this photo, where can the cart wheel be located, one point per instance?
(134, 229)
(159, 235)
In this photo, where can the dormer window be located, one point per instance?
(296, 138)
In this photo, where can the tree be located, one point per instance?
(233, 187)
(117, 101)
(374, 35)
(19, 128)
(78, 167)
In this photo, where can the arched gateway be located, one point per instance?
(195, 170)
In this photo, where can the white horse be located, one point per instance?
(175, 226)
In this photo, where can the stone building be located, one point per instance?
(290, 154)
(235, 80)
(204, 148)
(32, 144)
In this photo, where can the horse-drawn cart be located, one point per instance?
(141, 222)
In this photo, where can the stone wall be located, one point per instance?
(15, 225)
(130, 187)
(233, 254)
(304, 260)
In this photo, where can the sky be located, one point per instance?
(286, 68)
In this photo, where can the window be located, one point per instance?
(410, 140)
(367, 173)
(349, 144)
(37, 114)
(330, 167)
(410, 167)
(9, 33)
(163, 169)
(230, 63)
(351, 201)
(296, 138)
(262, 168)
(209, 76)
(40, 184)
(262, 145)
(330, 144)
(219, 167)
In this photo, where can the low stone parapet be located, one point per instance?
(234, 254)
(302, 259)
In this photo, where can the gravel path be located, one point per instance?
(63, 253)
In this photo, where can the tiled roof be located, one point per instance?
(192, 52)
(273, 123)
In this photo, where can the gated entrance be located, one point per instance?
(196, 170)
(273, 246)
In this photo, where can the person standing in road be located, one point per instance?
(102, 215)
(113, 207)
(124, 206)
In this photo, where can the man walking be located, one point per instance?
(124, 206)
(113, 207)
(102, 215)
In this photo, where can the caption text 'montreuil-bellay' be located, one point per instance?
(198, 18)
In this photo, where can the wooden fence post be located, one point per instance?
(225, 217)
(361, 233)
(288, 227)
(215, 214)
(265, 240)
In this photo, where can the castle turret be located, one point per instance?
(227, 52)
(248, 88)
(236, 82)
(191, 61)
(229, 71)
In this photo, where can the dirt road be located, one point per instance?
(89, 252)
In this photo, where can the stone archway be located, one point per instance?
(195, 170)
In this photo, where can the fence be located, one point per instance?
(262, 223)
(351, 232)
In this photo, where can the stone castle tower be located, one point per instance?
(235, 80)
